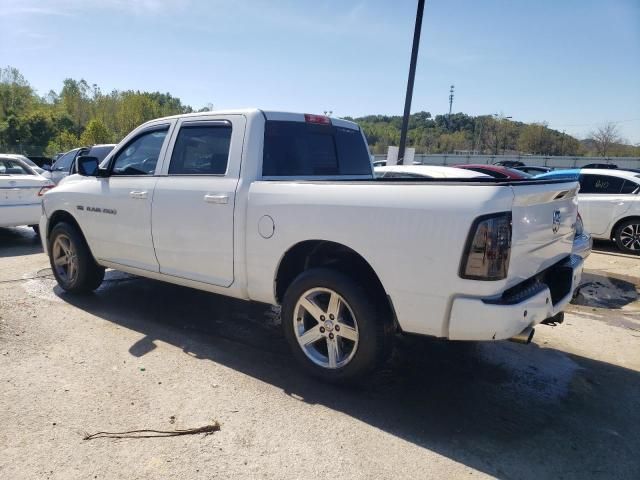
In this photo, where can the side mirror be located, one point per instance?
(46, 167)
(87, 166)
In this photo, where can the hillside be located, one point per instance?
(81, 114)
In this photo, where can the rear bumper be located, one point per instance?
(14, 215)
(582, 245)
(522, 306)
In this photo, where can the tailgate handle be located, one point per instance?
(561, 195)
(216, 198)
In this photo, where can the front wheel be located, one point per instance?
(628, 236)
(333, 327)
(71, 261)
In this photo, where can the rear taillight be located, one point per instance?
(488, 248)
(579, 225)
(321, 119)
(45, 189)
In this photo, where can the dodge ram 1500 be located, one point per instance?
(283, 208)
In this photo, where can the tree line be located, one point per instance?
(489, 134)
(80, 114)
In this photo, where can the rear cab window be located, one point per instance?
(303, 149)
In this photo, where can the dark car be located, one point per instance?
(509, 163)
(66, 164)
(496, 171)
(601, 165)
(533, 169)
(98, 151)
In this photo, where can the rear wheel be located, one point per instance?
(71, 261)
(628, 236)
(333, 327)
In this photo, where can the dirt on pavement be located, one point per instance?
(140, 354)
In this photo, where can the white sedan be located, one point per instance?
(21, 190)
(426, 171)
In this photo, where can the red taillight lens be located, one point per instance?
(44, 190)
(321, 119)
(488, 248)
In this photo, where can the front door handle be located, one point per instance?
(141, 194)
(216, 198)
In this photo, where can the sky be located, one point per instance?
(572, 63)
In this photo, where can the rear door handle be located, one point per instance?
(216, 198)
(141, 194)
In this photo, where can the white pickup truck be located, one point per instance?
(283, 208)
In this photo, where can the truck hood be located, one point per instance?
(543, 226)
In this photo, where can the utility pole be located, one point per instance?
(450, 105)
(412, 76)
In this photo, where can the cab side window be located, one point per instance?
(140, 155)
(201, 149)
(600, 184)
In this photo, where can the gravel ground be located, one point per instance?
(140, 354)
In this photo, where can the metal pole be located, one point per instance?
(412, 76)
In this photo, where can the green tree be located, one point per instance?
(40, 127)
(96, 132)
(63, 142)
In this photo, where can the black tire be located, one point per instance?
(86, 275)
(36, 229)
(627, 236)
(374, 326)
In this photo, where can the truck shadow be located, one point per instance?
(18, 241)
(511, 411)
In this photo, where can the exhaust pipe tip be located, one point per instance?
(524, 336)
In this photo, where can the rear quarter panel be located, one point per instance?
(412, 235)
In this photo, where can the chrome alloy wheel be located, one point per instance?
(65, 259)
(326, 328)
(630, 236)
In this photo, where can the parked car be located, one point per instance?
(533, 169)
(283, 208)
(609, 204)
(496, 171)
(509, 163)
(21, 191)
(41, 160)
(422, 171)
(609, 166)
(26, 160)
(66, 164)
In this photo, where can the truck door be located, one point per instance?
(117, 208)
(193, 205)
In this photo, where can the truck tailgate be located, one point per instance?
(543, 219)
